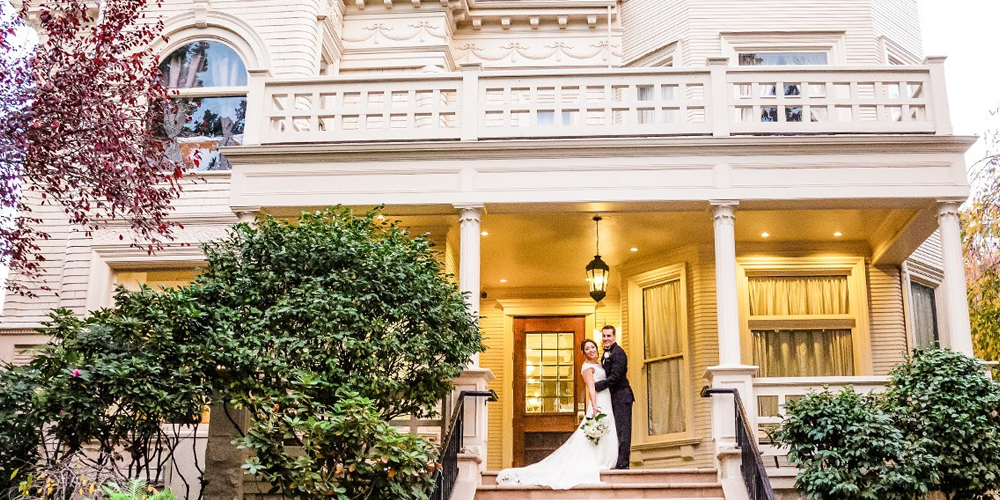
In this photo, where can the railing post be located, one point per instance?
(253, 122)
(939, 95)
(718, 96)
(470, 101)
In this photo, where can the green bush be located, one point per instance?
(944, 402)
(849, 449)
(936, 429)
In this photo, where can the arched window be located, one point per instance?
(209, 82)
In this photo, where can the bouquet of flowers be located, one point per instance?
(595, 427)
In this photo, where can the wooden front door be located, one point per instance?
(548, 388)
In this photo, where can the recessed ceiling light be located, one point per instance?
(633, 249)
(765, 234)
(503, 281)
(485, 233)
(838, 234)
(380, 217)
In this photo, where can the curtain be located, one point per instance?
(662, 336)
(803, 353)
(924, 312)
(662, 319)
(799, 295)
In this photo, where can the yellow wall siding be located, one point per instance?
(888, 330)
(899, 22)
(491, 325)
(651, 24)
(711, 17)
(927, 260)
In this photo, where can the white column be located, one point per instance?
(957, 334)
(730, 372)
(469, 258)
(725, 282)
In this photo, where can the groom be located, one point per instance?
(615, 363)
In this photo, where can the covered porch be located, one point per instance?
(773, 298)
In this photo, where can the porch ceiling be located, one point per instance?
(546, 250)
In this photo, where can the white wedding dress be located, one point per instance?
(577, 461)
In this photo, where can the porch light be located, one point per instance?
(598, 270)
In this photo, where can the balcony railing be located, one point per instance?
(717, 100)
(773, 393)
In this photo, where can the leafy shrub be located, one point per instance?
(346, 451)
(936, 429)
(849, 449)
(943, 401)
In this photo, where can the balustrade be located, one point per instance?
(623, 102)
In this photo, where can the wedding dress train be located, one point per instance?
(578, 460)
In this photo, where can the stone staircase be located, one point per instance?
(636, 484)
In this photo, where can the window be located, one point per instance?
(209, 110)
(798, 325)
(923, 313)
(782, 58)
(663, 360)
(770, 113)
(155, 278)
(658, 322)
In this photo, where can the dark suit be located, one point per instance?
(615, 364)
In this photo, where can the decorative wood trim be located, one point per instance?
(857, 281)
(635, 285)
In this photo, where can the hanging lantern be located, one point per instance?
(598, 270)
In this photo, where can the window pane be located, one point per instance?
(803, 353)
(550, 373)
(664, 386)
(782, 58)
(662, 319)
(203, 64)
(924, 312)
(202, 126)
(798, 295)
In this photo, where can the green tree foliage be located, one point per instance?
(328, 304)
(20, 427)
(324, 328)
(981, 245)
(943, 402)
(935, 429)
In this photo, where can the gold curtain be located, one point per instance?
(663, 336)
(803, 353)
(798, 295)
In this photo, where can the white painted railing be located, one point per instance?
(773, 393)
(717, 100)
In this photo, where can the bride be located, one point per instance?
(578, 460)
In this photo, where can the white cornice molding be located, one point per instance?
(704, 147)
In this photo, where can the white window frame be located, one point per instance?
(830, 42)
(857, 282)
(637, 350)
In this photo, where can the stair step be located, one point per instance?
(641, 476)
(626, 491)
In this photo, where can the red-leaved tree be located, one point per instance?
(76, 116)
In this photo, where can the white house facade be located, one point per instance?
(777, 181)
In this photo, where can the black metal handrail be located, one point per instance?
(452, 443)
(751, 463)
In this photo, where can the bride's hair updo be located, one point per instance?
(583, 345)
